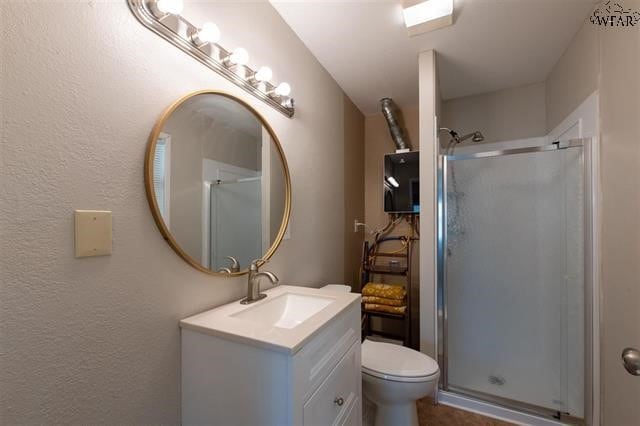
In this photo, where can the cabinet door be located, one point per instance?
(317, 359)
(338, 399)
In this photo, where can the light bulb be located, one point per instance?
(264, 74)
(209, 33)
(283, 89)
(174, 7)
(239, 57)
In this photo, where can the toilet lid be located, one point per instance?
(397, 362)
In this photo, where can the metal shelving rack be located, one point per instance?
(370, 268)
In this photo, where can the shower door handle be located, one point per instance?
(631, 361)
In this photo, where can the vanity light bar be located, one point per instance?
(163, 18)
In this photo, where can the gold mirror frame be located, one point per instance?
(151, 197)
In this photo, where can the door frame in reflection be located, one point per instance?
(214, 171)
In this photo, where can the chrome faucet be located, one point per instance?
(253, 288)
(235, 266)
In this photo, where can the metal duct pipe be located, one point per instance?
(396, 131)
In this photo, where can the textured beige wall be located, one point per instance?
(515, 113)
(96, 340)
(573, 77)
(620, 250)
(378, 142)
(606, 60)
(429, 99)
(354, 191)
(535, 109)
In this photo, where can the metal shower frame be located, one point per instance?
(590, 292)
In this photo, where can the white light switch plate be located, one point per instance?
(93, 233)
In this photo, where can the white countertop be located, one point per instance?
(221, 323)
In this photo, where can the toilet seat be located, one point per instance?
(397, 363)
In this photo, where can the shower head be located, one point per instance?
(475, 137)
(454, 135)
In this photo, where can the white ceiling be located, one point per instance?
(493, 44)
(227, 111)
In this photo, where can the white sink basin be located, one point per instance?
(285, 311)
(282, 321)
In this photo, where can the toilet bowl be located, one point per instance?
(394, 377)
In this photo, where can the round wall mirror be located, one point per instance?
(217, 182)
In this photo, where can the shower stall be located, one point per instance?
(235, 226)
(514, 298)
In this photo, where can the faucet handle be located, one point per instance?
(235, 266)
(257, 263)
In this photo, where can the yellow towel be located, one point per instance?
(384, 308)
(382, 301)
(384, 290)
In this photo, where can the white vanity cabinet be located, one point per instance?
(232, 380)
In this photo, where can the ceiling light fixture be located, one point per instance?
(422, 16)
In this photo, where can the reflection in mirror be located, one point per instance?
(219, 181)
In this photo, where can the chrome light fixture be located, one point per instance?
(208, 33)
(195, 41)
(281, 94)
(239, 56)
(283, 89)
(164, 8)
(261, 77)
(264, 74)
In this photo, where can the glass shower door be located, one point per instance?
(236, 221)
(512, 282)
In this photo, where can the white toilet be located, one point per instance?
(394, 377)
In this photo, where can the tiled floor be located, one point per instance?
(442, 415)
